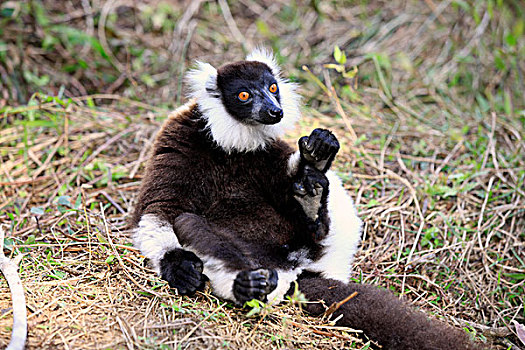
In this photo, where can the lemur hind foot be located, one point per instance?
(183, 270)
(254, 284)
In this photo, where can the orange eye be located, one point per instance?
(273, 88)
(243, 96)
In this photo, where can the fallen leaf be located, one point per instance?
(520, 329)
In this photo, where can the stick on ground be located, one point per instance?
(10, 270)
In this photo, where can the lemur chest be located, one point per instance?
(243, 201)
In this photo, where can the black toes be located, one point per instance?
(183, 271)
(311, 182)
(303, 142)
(255, 284)
(299, 190)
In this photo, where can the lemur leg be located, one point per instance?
(337, 228)
(189, 252)
(344, 233)
(240, 279)
(157, 241)
(381, 315)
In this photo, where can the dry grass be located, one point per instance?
(432, 136)
(86, 286)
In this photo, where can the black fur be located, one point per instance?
(183, 270)
(210, 205)
(254, 78)
(311, 188)
(319, 149)
(255, 284)
(382, 316)
(311, 191)
(244, 210)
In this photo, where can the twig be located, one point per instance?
(480, 220)
(24, 182)
(333, 308)
(470, 45)
(119, 258)
(10, 270)
(232, 25)
(112, 201)
(182, 25)
(106, 9)
(107, 144)
(117, 98)
(331, 93)
(445, 162)
(316, 331)
(494, 332)
(90, 24)
(200, 323)
(434, 9)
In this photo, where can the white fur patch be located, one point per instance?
(293, 163)
(221, 278)
(154, 238)
(226, 131)
(299, 257)
(285, 279)
(261, 54)
(340, 245)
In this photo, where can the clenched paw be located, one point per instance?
(311, 182)
(319, 149)
(254, 284)
(183, 270)
(309, 190)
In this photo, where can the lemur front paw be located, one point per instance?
(254, 284)
(310, 190)
(319, 149)
(311, 182)
(183, 270)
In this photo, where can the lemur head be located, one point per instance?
(250, 93)
(246, 104)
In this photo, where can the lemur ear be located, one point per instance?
(261, 54)
(202, 80)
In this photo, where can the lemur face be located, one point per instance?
(250, 93)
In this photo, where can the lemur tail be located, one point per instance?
(382, 316)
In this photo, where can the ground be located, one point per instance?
(425, 97)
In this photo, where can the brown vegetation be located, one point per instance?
(432, 130)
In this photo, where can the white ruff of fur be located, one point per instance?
(226, 131)
(344, 235)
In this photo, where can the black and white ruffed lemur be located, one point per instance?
(225, 200)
